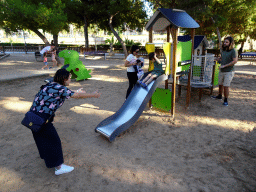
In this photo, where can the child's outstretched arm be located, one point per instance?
(80, 94)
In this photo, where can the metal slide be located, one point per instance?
(130, 110)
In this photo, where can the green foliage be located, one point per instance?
(128, 42)
(236, 18)
(110, 41)
(33, 15)
(126, 14)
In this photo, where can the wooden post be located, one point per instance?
(150, 39)
(150, 35)
(174, 66)
(190, 69)
(213, 77)
(168, 34)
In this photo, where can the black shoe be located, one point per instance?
(225, 103)
(216, 97)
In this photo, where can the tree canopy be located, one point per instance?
(120, 15)
(33, 15)
(229, 17)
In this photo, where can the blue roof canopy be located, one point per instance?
(163, 18)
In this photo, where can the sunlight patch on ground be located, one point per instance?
(231, 124)
(15, 104)
(9, 64)
(97, 66)
(39, 71)
(140, 176)
(9, 180)
(109, 78)
(93, 57)
(91, 110)
(246, 72)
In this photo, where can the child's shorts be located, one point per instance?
(45, 63)
(225, 78)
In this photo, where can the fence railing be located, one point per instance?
(81, 50)
(31, 48)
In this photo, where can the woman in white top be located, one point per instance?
(130, 62)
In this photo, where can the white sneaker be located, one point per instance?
(63, 169)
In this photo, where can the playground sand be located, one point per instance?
(207, 147)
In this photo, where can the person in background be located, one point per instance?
(47, 49)
(130, 62)
(228, 59)
(54, 62)
(45, 61)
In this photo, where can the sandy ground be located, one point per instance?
(207, 147)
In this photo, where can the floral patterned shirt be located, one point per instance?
(50, 98)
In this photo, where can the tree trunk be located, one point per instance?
(117, 36)
(86, 33)
(41, 36)
(219, 36)
(55, 40)
(241, 49)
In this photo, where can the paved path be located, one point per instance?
(21, 65)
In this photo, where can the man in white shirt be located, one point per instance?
(47, 49)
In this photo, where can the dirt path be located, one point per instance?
(207, 147)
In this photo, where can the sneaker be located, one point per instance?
(139, 82)
(216, 97)
(144, 85)
(63, 169)
(225, 103)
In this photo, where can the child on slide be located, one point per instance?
(138, 67)
(158, 70)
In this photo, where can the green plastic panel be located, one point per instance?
(162, 99)
(184, 51)
(216, 74)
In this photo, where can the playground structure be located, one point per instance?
(187, 60)
(75, 66)
(163, 19)
(202, 65)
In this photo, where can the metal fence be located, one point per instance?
(81, 50)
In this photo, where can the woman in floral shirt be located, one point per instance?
(46, 102)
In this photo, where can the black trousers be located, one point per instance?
(49, 145)
(133, 78)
